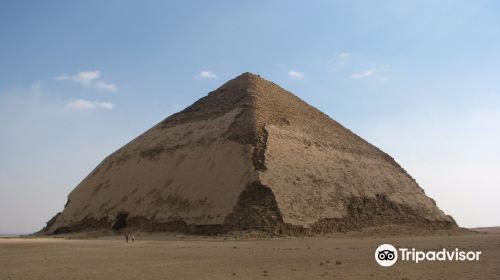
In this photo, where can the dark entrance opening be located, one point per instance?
(120, 221)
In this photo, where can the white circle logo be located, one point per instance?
(386, 255)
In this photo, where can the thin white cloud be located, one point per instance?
(85, 77)
(106, 105)
(340, 60)
(81, 104)
(296, 75)
(379, 74)
(205, 74)
(106, 86)
(89, 79)
(363, 74)
(89, 105)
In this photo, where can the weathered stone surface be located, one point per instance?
(249, 156)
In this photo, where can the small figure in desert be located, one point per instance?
(133, 238)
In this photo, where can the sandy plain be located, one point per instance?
(189, 257)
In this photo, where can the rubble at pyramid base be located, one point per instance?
(257, 211)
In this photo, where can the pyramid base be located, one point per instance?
(257, 210)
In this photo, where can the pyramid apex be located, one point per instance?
(246, 76)
(247, 80)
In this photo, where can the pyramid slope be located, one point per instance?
(320, 172)
(249, 155)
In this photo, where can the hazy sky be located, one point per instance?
(79, 79)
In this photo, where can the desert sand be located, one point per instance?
(189, 257)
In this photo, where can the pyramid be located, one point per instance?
(248, 156)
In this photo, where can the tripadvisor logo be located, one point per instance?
(387, 255)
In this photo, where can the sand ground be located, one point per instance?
(216, 258)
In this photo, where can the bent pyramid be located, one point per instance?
(248, 156)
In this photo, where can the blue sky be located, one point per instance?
(79, 79)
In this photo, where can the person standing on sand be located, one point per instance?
(126, 238)
(133, 238)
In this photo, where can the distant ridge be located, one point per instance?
(486, 229)
(12, 234)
